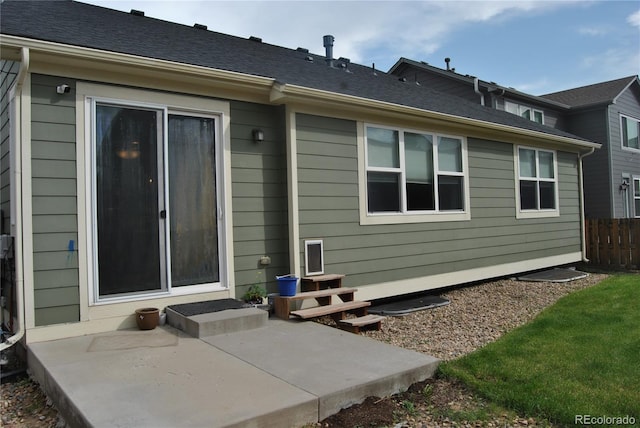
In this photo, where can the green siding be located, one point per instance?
(259, 189)
(369, 254)
(54, 202)
(8, 73)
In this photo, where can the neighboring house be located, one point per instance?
(146, 163)
(607, 112)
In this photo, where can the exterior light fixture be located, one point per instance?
(625, 185)
(258, 136)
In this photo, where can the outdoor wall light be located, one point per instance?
(258, 136)
(63, 89)
(625, 185)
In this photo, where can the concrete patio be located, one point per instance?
(284, 374)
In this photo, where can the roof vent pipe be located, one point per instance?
(448, 60)
(328, 46)
(476, 89)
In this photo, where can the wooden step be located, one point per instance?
(337, 310)
(319, 282)
(355, 325)
(320, 293)
(323, 297)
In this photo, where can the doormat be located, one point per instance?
(206, 307)
(554, 275)
(405, 307)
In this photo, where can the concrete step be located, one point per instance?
(221, 322)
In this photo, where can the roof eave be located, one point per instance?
(628, 85)
(287, 93)
(59, 57)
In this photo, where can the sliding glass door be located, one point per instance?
(143, 244)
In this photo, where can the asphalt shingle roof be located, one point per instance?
(599, 93)
(79, 24)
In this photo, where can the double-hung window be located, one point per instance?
(630, 130)
(537, 187)
(412, 173)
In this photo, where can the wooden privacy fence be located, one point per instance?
(613, 243)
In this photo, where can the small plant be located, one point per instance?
(255, 294)
(427, 391)
(409, 407)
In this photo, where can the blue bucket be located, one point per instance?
(287, 285)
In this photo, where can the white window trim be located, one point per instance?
(87, 93)
(537, 213)
(521, 108)
(367, 218)
(630, 149)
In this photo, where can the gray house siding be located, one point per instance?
(259, 178)
(623, 161)
(369, 254)
(593, 124)
(54, 203)
(8, 73)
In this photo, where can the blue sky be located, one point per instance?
(534, 46)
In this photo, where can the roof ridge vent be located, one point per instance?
(255, 39)
(136, 12)
(199, 26)
(303, 50)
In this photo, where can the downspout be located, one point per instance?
(476, 89)
(583, 230)
(16, 175)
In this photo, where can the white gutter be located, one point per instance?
(583, 238)
(476, 89)
(16, 201)
(287, 93)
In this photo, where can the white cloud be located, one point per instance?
(592, 31)
(616, 62)
(634, 19)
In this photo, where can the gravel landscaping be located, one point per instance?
(477, 315)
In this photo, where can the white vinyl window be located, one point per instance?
(537, 184)
(414, 173)
(530, 113)
(630, 129)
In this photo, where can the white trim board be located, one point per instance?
(413, 285)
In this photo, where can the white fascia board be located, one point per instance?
(285, 93)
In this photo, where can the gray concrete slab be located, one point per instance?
(338, 367)
(286, 374)
(186, 383)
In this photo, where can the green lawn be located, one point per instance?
(580, 356)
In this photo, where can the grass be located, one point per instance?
(578, 357)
